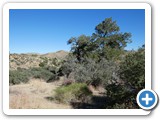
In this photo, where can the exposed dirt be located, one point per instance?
(37, 94)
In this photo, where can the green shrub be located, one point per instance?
(90, 71)
(40, 73)
(111, 53)
(68, 65)
(55, 61)
(23, 75)
(98, 73)
(132, 69)
(132, 73)
(44, 62)
(121, 97)
(73, 92)
(17, 77)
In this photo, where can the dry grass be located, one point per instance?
(33, 96)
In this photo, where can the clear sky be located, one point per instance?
(43, 31)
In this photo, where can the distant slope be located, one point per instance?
(29, 60)
(59, 54)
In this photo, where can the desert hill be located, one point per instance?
(27, 60)
(59, 54)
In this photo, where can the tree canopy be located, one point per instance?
(106, 38)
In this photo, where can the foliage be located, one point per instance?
(47, 62)
(121, 97)
(17, 77)
(106, 39)
(132, 72)
(44, 62)
(107, 33)
(23, 75)
(90, 71)
(111, 54)
(68, 65)
(73, 92)
(95, 73)
(132, 69)
(56, 62)
(80, 46)
(40, 73)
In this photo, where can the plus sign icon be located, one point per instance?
(147, 99)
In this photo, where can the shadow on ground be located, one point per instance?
(96, 102)
(49, 98)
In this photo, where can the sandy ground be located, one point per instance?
(36, 94)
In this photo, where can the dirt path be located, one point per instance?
(34, 95)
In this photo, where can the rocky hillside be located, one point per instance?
(35, 60)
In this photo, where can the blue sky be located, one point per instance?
(43, 31)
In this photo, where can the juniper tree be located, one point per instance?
(109, 40)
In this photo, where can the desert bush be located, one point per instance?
(125, 105)
(34, 55)
(23, 75)
(17, 77)
(72, 92)
(111, 53)
(41, 73)
(44, 62)
(132, 69)
(96, 73)
(55, 73)
(68, 66)
(90, 71)
(132, 72)
(121, 97)
(55, 61)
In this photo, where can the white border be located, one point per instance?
(8, 6)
